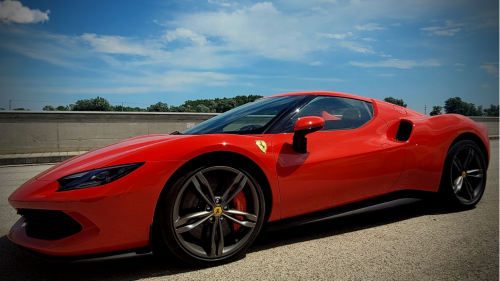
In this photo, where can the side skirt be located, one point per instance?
(386, 201)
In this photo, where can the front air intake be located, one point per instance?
(404, 131)
(49, 224)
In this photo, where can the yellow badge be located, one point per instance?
(464, 174)
(262, 145)
(217, 211)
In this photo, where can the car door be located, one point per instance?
(349, 160)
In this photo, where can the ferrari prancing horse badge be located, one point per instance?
(217, 211)
(262, 145)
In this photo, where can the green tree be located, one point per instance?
(492, 111)
(48, 108)
(217, 104)
(436, 110)
(62, 108)
(95, 104)
(457, 106)
(225, 104)
(158, 107)
(21, 108)
(202, 108)
(206, 105)
(395, 101)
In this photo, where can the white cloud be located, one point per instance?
(356, 47)
(14, 11)
(490, 68)
(261, 30)
(316, 63)
(322, 79)
(369, 27)
(223, 3)
(369, 39)
(485, 86)
(181, 33)
(459, 64)
(336, 36)
(447, 32)
(122, 45)
(450, 29)
(163, 82)
(403, 64)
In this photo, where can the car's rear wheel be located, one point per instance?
(464, 175)
(212, 215)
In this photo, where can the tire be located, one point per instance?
(221, 197)
(464, 176)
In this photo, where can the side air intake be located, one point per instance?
(49, 224)
(404, 131)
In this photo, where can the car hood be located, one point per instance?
(100, 157)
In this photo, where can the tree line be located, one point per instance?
(216, 105)
(458, 106)
(455, 105)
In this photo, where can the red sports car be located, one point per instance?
(206, 193)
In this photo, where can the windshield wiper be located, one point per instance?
(176, 133)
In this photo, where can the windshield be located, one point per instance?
(251, 118)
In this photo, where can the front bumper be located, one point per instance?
(113, 217)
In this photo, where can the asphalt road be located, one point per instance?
(412, 242)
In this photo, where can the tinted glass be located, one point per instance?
(251, 118)
(339, 113)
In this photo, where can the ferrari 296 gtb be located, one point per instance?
(206, 193)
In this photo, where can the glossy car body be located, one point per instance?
(339, 167)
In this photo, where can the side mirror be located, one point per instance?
(302, 127)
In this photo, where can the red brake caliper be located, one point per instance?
(240, 203)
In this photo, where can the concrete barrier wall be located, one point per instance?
(45, 131)
(490, 122)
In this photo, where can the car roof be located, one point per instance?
(323, 93)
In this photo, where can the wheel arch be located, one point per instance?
(227, 156)
(473, 137)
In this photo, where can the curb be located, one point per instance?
(34, 160)
(57, 159)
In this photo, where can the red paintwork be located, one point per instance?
(309, 122)
(340, 167)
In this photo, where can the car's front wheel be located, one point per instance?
(212, 215)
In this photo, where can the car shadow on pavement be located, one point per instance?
(17, 265)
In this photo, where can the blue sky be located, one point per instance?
(142, 52)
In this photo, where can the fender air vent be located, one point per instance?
(404, 131)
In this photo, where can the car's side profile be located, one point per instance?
(206, 193)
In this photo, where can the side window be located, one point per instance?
(339, 113)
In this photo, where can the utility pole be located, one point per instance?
(425, 109)
(10, 104)
(122, 106)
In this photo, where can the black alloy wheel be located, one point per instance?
(464, 175)
(212, 215)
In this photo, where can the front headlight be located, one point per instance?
(96, 177)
